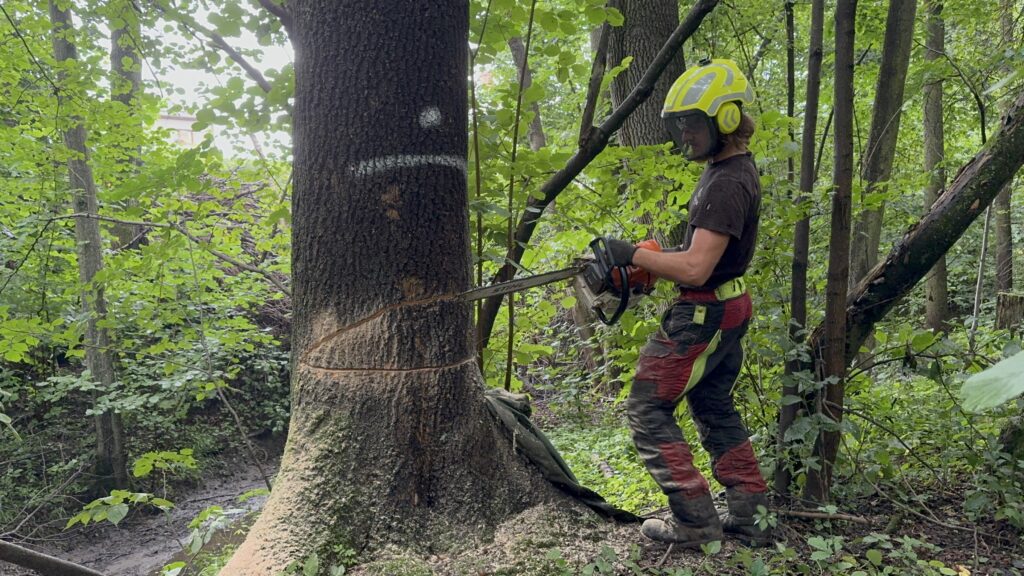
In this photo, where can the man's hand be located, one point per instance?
(619, 251)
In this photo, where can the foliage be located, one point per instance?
(995, 385)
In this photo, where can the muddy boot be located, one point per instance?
(692, 523)
(739, 520)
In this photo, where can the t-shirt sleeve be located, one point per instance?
(723, 208)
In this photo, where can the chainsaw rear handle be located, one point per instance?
(598, 277)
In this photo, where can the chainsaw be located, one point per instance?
(599, 285)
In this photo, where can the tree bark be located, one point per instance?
(390, 441)
(936, 294)
(648, 25)
(833, 369)
(111, 465)
(583, 156)
(802, 232)
(885, 124)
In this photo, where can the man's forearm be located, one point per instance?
(682, 267)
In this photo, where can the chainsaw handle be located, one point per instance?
(600, 249)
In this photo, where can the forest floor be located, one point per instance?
(145, 541)
(543, 541)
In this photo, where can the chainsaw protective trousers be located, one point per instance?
(697, 355)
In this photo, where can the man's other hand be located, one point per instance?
(620, 252)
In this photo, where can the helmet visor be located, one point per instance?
(694, 135)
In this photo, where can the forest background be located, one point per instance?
(145, 310)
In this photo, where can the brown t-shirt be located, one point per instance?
(728, 200)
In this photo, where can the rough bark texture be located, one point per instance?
(834, 365)
(936, 293)
(584, 155)
(390, 441)
(535, 132)
(971, 192)
(802, 232)
(885, 126)
(1009, 311)
(648, 24)
(111, 469)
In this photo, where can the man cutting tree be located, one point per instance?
(697, 352)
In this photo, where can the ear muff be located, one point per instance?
(728, 118)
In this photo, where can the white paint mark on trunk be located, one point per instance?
(386, 163)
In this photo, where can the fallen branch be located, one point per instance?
(42, 563)
(823, 516)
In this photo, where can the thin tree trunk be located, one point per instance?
(535, 132)
(1004, 225)
(126, 88)
(801, 239)
(936, 295)
(390, 442)
(834, 365)
(111, 466)
(885, 124)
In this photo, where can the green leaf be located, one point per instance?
(874, 556)
(117, 512)
(996, 385)
(312, 565)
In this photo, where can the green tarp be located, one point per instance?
(513, 410)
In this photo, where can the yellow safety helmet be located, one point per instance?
(713, 87)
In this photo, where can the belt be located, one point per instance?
(726, 291)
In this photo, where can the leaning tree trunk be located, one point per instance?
(971, 192)
(936, 293)
(390, 441)
(111, 465)
(833, 365)
(885, 126)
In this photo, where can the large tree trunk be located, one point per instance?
(589, 149)
(885, 126)
(936, 295)
(390, 441)
(648, 25)
(111, 467)
(802, 232)
(834, 365)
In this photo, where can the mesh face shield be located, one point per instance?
(694, 134)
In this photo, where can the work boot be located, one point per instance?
(739, 520)
(692, 523)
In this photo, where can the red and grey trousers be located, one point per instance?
(697, 355)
